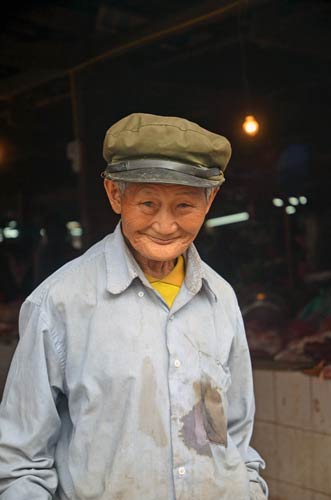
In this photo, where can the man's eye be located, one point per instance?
(147, 203)
(184, 205)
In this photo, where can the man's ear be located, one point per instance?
(211, 198)
(114, 195)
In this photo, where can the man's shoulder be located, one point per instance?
(78, 275)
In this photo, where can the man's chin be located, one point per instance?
(163, 256)
(163, 253)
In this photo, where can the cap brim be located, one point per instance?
(161, 176)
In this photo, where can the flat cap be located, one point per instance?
(164, 149)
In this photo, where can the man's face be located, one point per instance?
(159, 221)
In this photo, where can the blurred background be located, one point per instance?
(256, 71)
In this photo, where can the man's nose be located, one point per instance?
(165, 222)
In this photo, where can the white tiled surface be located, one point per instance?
(293, 399)
(321, 451)
(264, 395)
(290, 492)
(273, 489)
(319, 496)
(295, 456)
(265, 440)
(321, 405)
(293, 434)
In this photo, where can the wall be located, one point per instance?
(293, 434)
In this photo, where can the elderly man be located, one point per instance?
(132, 377)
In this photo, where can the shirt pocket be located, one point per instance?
(215, 380)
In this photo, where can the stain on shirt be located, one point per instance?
(150, 421)
(206, 422)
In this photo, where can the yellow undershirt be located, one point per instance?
(169, 286)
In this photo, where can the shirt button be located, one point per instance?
(181, 471)
(141, 294)
(177, 363)
(172, 317)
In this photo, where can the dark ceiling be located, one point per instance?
(284, 43)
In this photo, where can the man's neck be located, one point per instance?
(155, 268)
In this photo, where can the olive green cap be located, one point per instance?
(164, 149)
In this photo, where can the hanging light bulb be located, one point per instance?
(250, 125)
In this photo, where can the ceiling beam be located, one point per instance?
(206, 13)
(198, 16)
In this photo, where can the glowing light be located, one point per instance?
(227, 219)
(3, 152)
(261, 296)
(76, 231)
(250, 125)
(303, 200)
(6, 152)
(10, 232)
(278, 202)
(290, 210)
(74, 228)
(72, 224)
(293, 200)
(12, 224)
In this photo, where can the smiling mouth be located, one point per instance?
(162, 241)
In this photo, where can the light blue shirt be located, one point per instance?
(112, 396)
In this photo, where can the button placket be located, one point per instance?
(175, 387)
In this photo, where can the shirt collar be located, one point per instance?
(196, 275)
(122, 268)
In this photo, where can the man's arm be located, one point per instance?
(29, 422)
(242, 408)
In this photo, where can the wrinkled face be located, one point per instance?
(159, 221)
